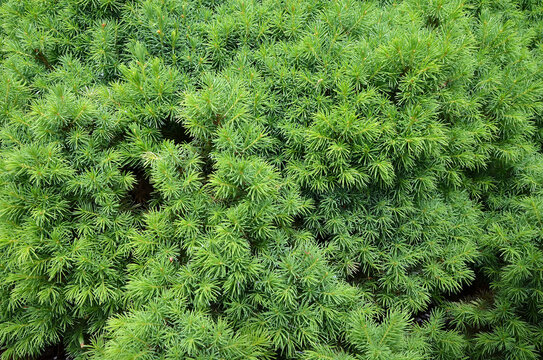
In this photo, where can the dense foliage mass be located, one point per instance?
(243, 179)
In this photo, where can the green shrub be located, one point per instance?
(200, 179)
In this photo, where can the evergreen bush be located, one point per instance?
(273, 179)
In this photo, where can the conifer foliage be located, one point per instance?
(271, 179)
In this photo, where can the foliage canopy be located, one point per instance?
(272, 179)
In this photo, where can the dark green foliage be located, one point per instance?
(242, 179)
